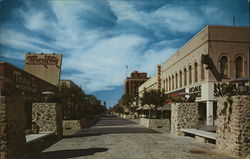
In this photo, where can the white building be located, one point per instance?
(226, 48)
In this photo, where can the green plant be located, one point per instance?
(154, 97)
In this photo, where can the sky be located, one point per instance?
(98, 38)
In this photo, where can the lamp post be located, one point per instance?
(47, 93)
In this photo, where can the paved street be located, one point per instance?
(114, 138)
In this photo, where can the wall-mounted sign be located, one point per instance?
(196, 90)
(24, 81)
(42, 60)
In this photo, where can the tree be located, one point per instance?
(126, 101)
(76, 104)
(117, 109)
(154, 98)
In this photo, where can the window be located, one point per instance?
(195, 72)
(185, 77)
(224, 67)
(166, 84)
(190, 74)
(180, 79)
(172, 82)
(176, 81)
(202, 72)
(169, 83)
(239, 67)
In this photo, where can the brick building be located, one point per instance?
(131, 84)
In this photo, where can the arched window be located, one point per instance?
(169, 80)
(185, 76)
(180, 79)
(172, 82)
(190, 74)
(224, 67)
(202, 72)
(195, 72)
(239, 67)
(166, 84)
(176, 80)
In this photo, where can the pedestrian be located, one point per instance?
(35, 128)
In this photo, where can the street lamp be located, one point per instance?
(47, 93)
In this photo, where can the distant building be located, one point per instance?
(131, 84)
(216, 55)
(44, 66)
(69, 84)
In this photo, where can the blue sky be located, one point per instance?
(99, 37)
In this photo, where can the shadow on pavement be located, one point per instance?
(112, 130)
(39, 146)
(63, 154)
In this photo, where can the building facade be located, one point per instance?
(217, 54)
(19, 81)
(69, 84)
(44, 66)
(132, 83)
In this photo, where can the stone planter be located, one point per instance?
(128, 116)
(184, 116)
(233, 125)
(73, 124)
(154, 123)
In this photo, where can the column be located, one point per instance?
(210, 118)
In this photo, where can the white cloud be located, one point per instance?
(216, 15)
(95, 58)
(173, 17)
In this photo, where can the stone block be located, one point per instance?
(48, 116)
(184, 116)
(12, 127)
(154, 123)
(233, 129)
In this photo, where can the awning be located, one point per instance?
(165, 107)
(139, 108)
(147, 107)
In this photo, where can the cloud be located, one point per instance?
(174, 17)
(104, 64)
(99, 38)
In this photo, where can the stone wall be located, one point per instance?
(73, 124)
(48, 117)
(184, 116)
(128, 116)
(154, 123)
(12, 127)
(233, 128)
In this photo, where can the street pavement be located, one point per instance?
(115, 138)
